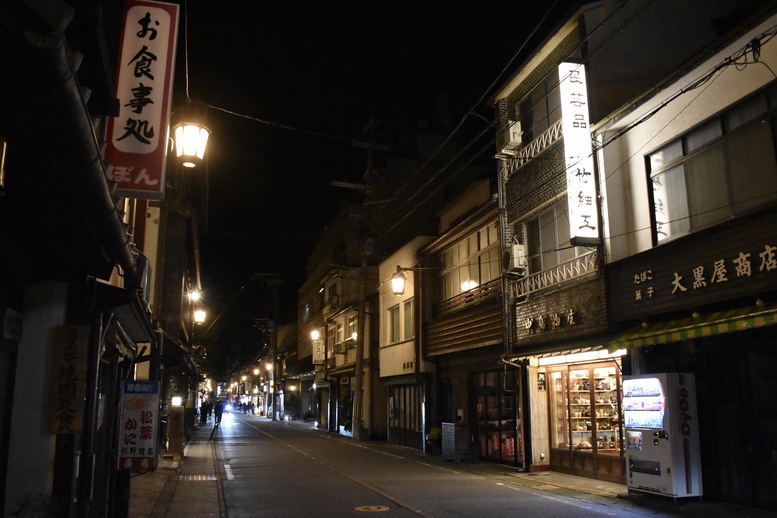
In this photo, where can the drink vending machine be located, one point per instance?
(662, 434)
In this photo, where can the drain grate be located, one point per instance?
(197, 478)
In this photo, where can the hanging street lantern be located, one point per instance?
(191, 139)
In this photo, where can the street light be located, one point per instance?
(191, 139)
(399, 279)
(398, 283)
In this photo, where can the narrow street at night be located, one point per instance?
(291, 469)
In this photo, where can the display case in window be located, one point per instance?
(584, 409)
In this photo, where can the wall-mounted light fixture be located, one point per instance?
(398, 283)
(399, 279)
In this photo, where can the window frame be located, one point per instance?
(458, 261)
(538, 249)
(714, 141)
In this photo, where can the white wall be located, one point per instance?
(394, 358)
(31, 450)
(623, 173)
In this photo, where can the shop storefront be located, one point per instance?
(584, 412)
(405, 414)
(497, 416)
(705, 304)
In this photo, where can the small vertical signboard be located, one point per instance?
(137, 139)
(139, 426)
(318, 352)
(71, 346)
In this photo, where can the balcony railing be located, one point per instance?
(475, 296)
(573, 269)
(535, 147)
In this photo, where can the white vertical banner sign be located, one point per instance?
(578, 153)
(137, 139)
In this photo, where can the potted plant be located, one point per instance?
(434, 440)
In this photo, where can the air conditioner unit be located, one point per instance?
(514, 138)
(514, 258)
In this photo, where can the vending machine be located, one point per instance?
(662, 434)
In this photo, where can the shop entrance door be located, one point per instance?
(498, 414)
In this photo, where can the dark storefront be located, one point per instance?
(405, 414)
(498, 416)
(702, 304)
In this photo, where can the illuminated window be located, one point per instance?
(470, 263)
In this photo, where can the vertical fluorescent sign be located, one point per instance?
(581, 185)
(137, 139)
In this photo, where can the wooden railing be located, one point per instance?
(476, 295)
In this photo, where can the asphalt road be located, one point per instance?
(289, 470)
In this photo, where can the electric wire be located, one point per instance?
(455, 130)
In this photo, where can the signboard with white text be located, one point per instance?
(137, 139)
(578, 154)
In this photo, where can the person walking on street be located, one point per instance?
(218, 411)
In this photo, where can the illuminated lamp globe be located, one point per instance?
(398, 284)
(191, 139)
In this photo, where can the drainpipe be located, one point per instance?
(88, 180)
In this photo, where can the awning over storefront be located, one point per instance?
(720, 322)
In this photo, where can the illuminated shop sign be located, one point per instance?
(578, 154)
(137, 139)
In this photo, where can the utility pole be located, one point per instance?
(358, 367)
(273, 279)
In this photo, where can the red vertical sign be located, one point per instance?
(137, 139)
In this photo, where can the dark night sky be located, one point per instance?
(325, 68)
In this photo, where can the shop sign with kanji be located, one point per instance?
(578, 153)
(139, 426)
(67, 390)
(136, 152)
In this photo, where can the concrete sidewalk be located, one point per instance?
(181, 488)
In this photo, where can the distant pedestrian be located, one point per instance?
(218, 411)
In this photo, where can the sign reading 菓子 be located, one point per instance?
(137, 139)
(581, 185)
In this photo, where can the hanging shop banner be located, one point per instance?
(139, 426)
(67, 391)
(578, 152)
(318, 352)
(136, 151)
